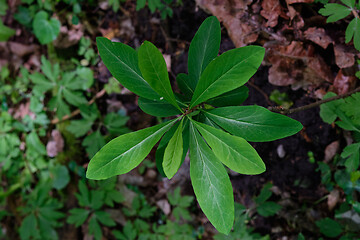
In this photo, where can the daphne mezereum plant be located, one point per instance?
(206, 119)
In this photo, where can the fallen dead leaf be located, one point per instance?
(333, 199)
(167, 58)
(21, 49)
(343, 58)
(164, 206)
(235, 17)
(331, 150)
(55, 145)
(342, 84)
(295, 65)
(69, 37)
(299, 1)
(21, 111)
(271, 11)
(318, 36)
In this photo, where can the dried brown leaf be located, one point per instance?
(318, 36)
(299, 1)
(234, 16)
(331, 150)
(55, 145)
(295, 65)
(22, 50)
(343, 58)
(271, 11)
(164, 206)
(333, 199)
(342, 84)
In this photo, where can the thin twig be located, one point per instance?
(312, 105)
(77, 111)
(260, 91)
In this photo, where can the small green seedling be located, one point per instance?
(214, 136)
(336, 12)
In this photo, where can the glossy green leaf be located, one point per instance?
(211, 184)
(159, 155)
(353, 31)
(125, 152)
(204, 47)
(160, 151)
(45, 29)
(227, 72)
(173, 153)
(184, 83)
(335, 12)
(158, 108)
(232, 98)
(235, 152)
(153, 68)
(122, 62)
(254, 123)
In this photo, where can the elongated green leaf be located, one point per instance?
(235, 152)
(153, 68)
(160, 151)
(158, 108)
(125, 152)
(159, 155)
(353, 30)
(254, 123)
(203, 48)
(232, 98)
(227, 72)
(184, 84)
(211, 184)
(173, 153)
(122, 62)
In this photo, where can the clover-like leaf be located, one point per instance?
(45, 29)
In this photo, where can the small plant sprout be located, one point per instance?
(205, 118)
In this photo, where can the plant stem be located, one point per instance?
(311, 105)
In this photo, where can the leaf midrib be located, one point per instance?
(122, 154)
(225, 73)
(207, 174)
(123, 63)
(239, 121)
(158, 77)
(230, 147)
(204, 50)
